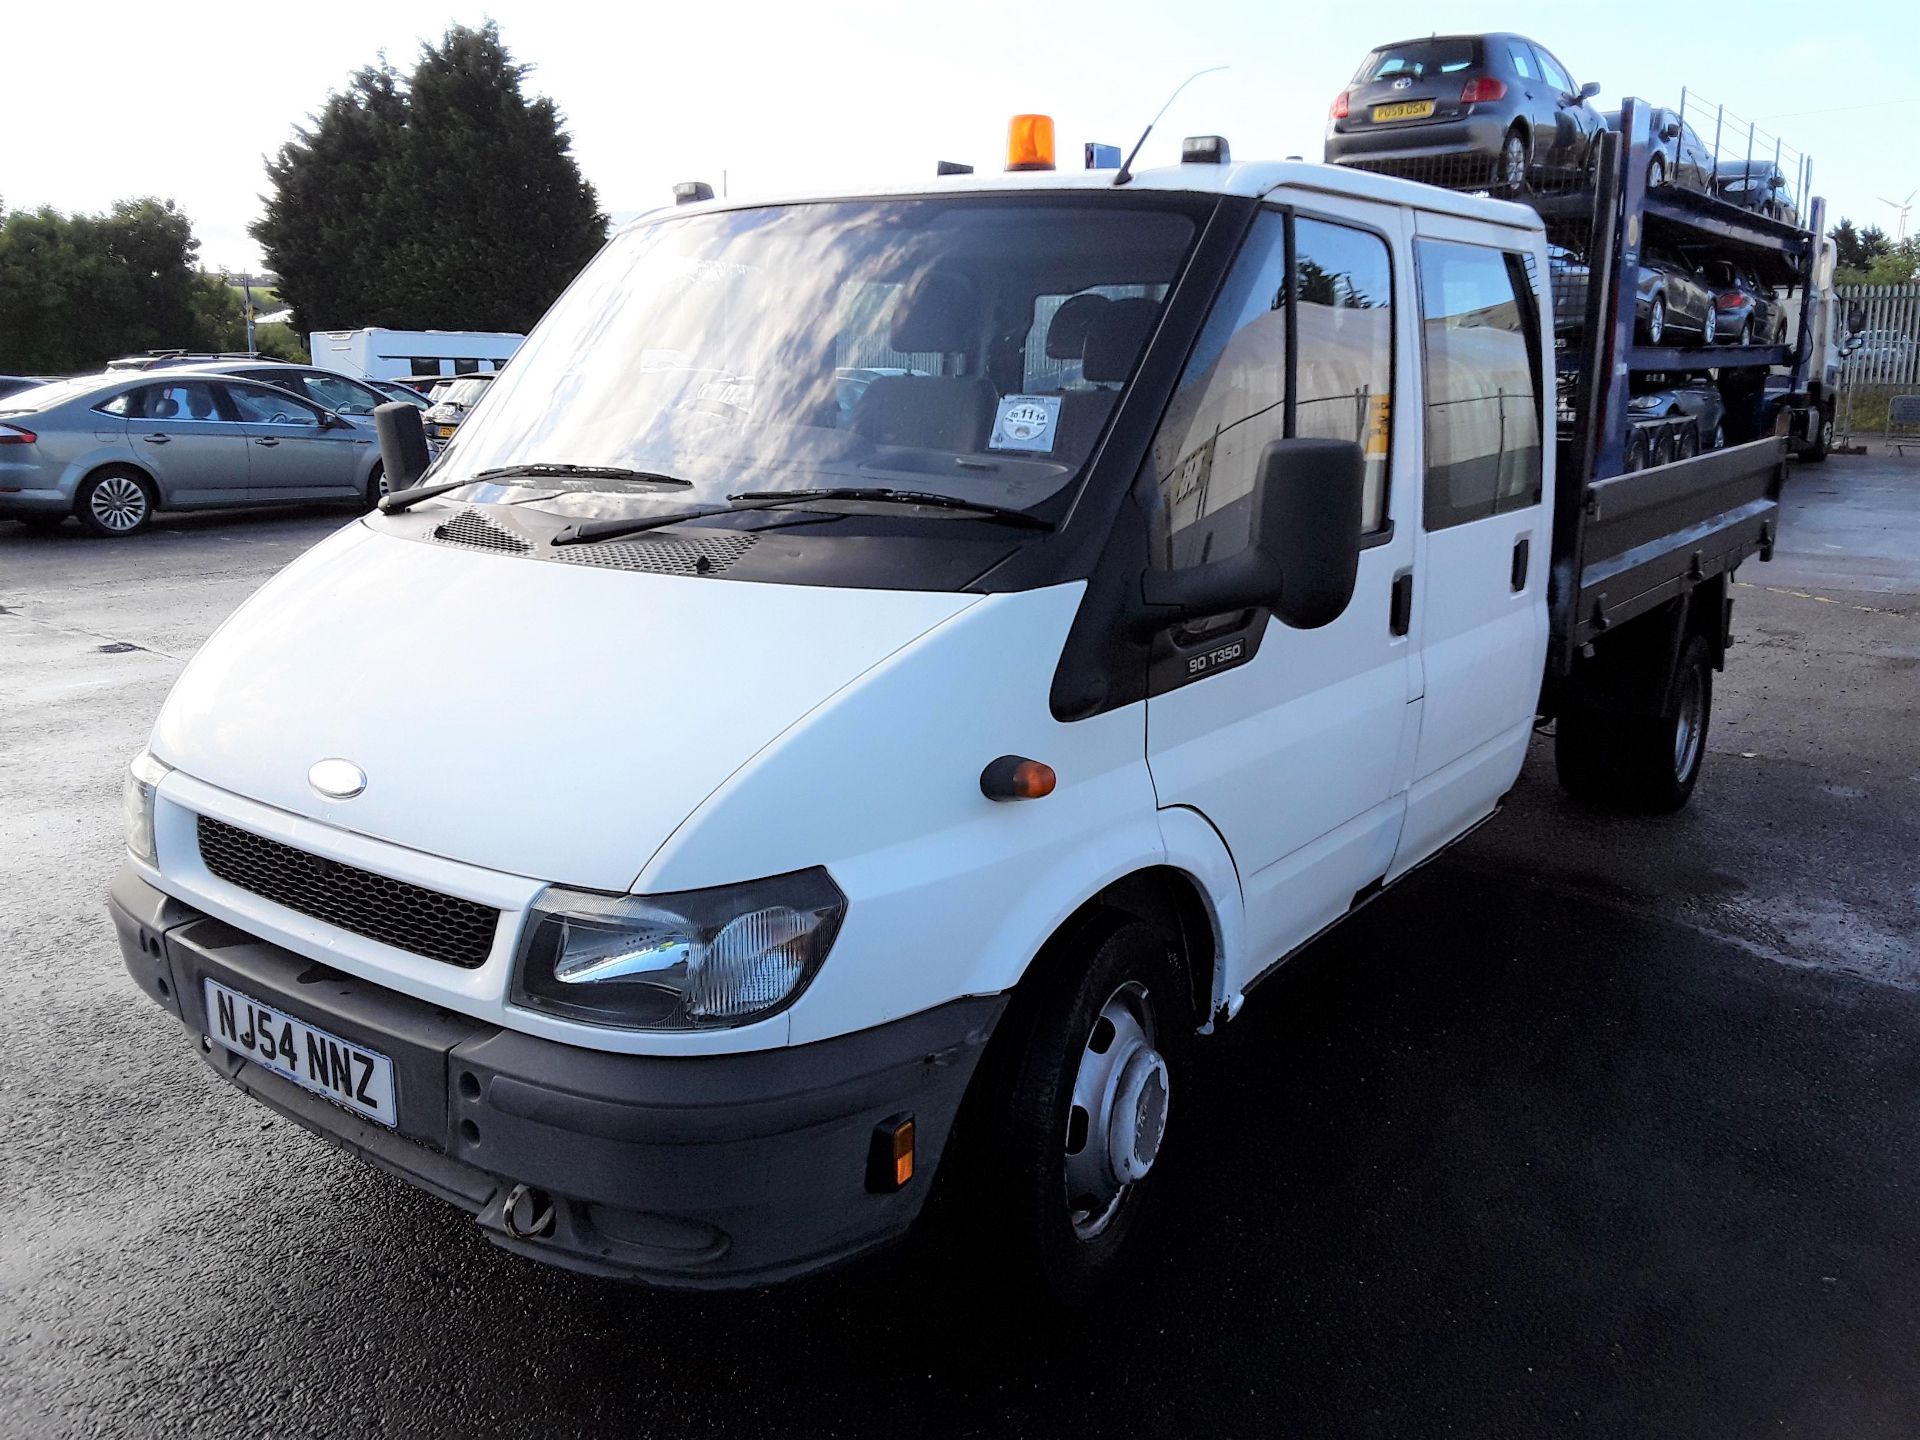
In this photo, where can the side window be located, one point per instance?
(260, 406)
(1344, 384)
(1556, 74)
(1481, 349)
(179, 400)
(120, 405)
(1233, 399)
(1522, 61)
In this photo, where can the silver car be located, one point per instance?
(112, 449)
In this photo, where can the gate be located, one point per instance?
(1885, 364)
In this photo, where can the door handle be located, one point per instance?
(156, 439)
(1517, 577)
(1400, 612)
(267, 441)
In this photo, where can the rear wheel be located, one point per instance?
(1636, 457)
(1656, 326)
(1647, 763)
(377, 487)
(1663, 447)
(1510, 169)
(1746, 331)
(1688, 445)
(1074, 1098)
(1710, 326)
(114, 503)
(1822, 439)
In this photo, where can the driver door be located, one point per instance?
(1296, 745)
(293, 453)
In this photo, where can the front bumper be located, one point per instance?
(707, 1172)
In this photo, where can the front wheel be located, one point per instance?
(377, 487)
(1710, 326)
(1645, 763)
(1656, 326)
(1060, 1154)
(1746, 331)
(1656, 173)
(1822, 440)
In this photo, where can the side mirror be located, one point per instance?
(1304, 551)
(1776, 182)
(1856, 317)
(403, 444)
(330, 420)
(1670, 131)
(1590, 89)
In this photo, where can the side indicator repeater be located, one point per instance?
(890, 1155)
(1014, 777)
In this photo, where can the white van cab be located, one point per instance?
(835, 792)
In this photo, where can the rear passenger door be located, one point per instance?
(193, 449)
(1294, 744)
(1483, 567)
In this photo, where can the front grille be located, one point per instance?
(705, 556)
(477, 532)
(407, 917)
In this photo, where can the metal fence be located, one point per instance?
(1885, 364)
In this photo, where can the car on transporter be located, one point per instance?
(1497, 110)
(113, 449)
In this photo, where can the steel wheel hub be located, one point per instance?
(118, 503)
(1118, 1114)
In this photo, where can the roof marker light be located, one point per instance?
(1030, 142)
(1102, 157)
(689, 192)
(1205, 150)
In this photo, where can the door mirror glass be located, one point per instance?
(1590, 89)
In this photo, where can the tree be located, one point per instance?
(1866, 257)
(76, 290)
(447, 201)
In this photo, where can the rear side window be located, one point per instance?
(1480, 352)
(178, 400)
(1522, 61)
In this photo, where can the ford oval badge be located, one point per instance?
(337, 779)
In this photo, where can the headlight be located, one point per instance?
(677, 962)
(1645, 404)
(143, 778)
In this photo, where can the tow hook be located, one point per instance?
(528, 1214)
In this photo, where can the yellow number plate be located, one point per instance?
(1405, 110)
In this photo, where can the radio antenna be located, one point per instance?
(1126, 169)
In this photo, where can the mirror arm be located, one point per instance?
(1240, 582)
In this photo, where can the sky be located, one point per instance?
(779, 97)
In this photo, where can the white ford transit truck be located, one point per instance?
(904, 666)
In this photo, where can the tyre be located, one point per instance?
(1636, 456)
(1710, 326)
(1058, 1148)
(1816, 453)
(1645, 763)
(1746, 331)
(114, 503)
(1656, 172)
(1655, 327)
(1510, 168)
(1688, 444)
(377, 486)
(1719, 436)
(1662, 452)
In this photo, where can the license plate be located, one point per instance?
(350, 1075)
(1404, 110)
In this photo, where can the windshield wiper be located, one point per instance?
(898, 497)
(595, 530)
(400, 499)
(551, 471)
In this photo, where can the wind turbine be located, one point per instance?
(1903, 207)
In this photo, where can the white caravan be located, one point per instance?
(376, 354)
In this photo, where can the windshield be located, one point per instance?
(971, 347)
(53, 392)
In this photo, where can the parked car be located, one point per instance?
(1690, 396)
(1747, 311)
(9, 384)
(1884, 348)
(1758, 185)
(395, 390)
(1465, 110)
(112, 449)
(1673, 296)
(168, 359)
(1680, 156)
(326, 388)
(449, 403)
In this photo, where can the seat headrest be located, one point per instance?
(1067, 332)
(1114, 339)
(167, 408)
(935, 313)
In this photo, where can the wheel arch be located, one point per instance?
(132, 467)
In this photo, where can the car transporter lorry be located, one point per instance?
(839, 798)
